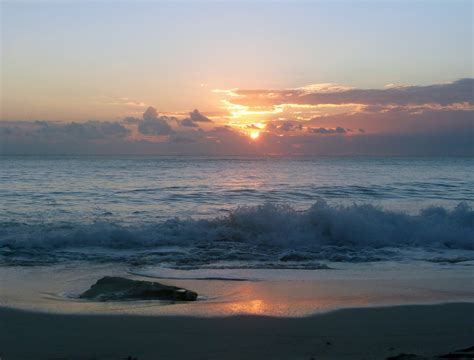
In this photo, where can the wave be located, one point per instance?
(267, 225)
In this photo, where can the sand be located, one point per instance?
(283, 293)
(364, 333)
(360, 313)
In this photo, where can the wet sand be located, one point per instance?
(286, 293)
(365, 333)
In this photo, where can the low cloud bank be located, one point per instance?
(411, 120)
(113, 138)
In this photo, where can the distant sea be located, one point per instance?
(233, 212)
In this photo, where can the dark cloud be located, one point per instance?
(290, 126)
(196, 116)
(400, 120)
(108, 138)
(326, 131)
(188, 123)
(42, 137)
(91, 130)
(150, 114)
(152, 124)
(460, 91)
(156, 126)
(457, 92)
(131, 120)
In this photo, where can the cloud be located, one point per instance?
(153, 124)
(285, 126)
(20, 137)
(131, 120)
(400, 120)
(91, 130)
(155, 127)
(196, 116)
(324, 88)
(409, 120)
(295, 126)
(44, 137)
(457, 92)
(329, 100)
(188, 122)
(121, 101)
(150, 114)
(324, 131)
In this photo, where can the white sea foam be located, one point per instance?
(268, 225)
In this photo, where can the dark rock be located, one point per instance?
(111, 288)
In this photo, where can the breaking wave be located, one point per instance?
(257, 233)
(269, 224)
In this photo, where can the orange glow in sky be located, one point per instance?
(254, 135)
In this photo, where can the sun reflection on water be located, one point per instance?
(251, 307)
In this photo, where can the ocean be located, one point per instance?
(264, 212)
(252, 235)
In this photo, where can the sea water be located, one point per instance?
(238, 218)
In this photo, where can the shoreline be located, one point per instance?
(288, 293)
(355, 333)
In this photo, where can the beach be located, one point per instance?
(236, 180)
(370, 333)
(344, 261)
(372, 313)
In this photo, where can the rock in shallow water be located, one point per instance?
(111, 288)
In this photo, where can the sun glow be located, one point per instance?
(254, 135)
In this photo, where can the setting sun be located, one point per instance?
(254, 135)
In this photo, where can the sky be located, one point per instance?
(241, 77)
